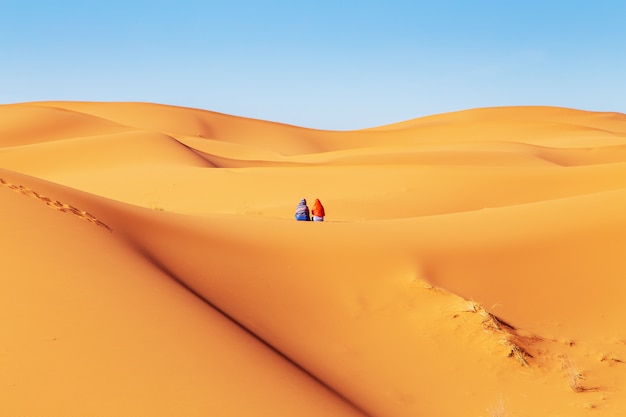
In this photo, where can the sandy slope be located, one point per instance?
(471, 264)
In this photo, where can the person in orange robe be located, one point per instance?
(318, 211)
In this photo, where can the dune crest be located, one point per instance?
(472, 256)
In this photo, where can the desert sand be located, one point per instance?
(470, 264)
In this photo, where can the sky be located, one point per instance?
(325, 64)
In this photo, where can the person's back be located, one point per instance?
(302, 211)
(318, 211)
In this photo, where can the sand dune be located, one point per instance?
(470, 264)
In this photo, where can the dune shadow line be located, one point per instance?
(158, 264)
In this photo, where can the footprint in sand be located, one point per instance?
(55, 204)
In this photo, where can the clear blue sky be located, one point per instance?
(327, 64)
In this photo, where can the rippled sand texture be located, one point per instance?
(470, 264)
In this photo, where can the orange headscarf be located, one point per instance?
(318, 209)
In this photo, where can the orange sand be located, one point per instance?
(470, 264)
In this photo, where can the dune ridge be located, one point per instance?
(473, 256)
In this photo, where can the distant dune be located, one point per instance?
(470, 264)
